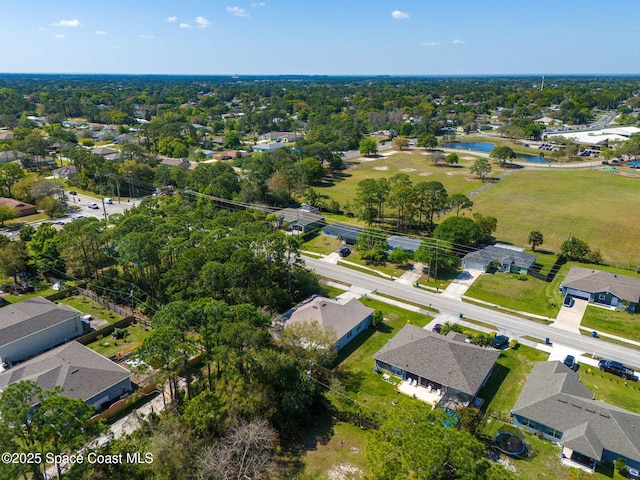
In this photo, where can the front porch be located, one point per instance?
(429, 394)
(573, 459)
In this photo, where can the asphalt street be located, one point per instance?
(509, 325)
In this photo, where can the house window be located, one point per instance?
(602, 297)
(349, 334)
(528, 423)
(552, 432)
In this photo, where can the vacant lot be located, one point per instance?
(594, 206)
(418, 165)
(615, 322)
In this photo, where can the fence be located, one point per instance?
(145, 388)
(122, 311)
(108, 330)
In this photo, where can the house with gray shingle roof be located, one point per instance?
(511, 259)
(301, 219)
(35, 325)
(555, 404)
(346, 318)
(602, 287)
(436, 360)
(79, 371)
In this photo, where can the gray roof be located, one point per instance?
(441, 359)
(405, 243)
(592, 281)
(17, 320)
(105, 151)
(342, 231)
(333, 314)
(81, 372)
(510, 256)
(554, 396)
(296, 215)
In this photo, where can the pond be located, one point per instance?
(488, 147)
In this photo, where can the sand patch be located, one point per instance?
(453, 173)
(469, 158)
(344, 471)
(424, 174)
(368, 159)
(383, 167)
(407, 169)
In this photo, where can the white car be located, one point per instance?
(93, 205)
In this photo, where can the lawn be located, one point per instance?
(107, 346)
(615, 322)
(96, 310)
(322, 244)
(611, 389)
(355, 361)
(417, 165)
(588, 204)
(533, 295)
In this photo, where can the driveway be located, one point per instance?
(461, 284)
(569, 318)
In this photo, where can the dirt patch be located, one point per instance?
(383, 167)
(407, 169)
(424, 174)
(344, 471)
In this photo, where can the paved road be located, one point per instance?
(509, 325)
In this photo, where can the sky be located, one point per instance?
(320, 37)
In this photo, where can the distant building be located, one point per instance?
(66, 172)
(347, 233)
(509, 259)
(268, 147)
(284, 137)
(301, 220)
(21, 209)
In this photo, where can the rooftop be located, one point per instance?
(590, 280)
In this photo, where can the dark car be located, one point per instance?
(437, 327)
(568, 301)
(25, 289)
(500, 341)
(72, 192)
(570, 361)
(344, 252)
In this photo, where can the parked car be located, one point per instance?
(108, 201)
(72, 192)
(570, 362)
(93, 205)
(500, 341)
(617, 368)
(344, 252)
(437, 327)
(568, 301)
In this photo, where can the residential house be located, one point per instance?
(7, 156)
(268, 147)
(301, 220)
(445, 363)
(107, 153)
(347, 233)
(508, 259)
(6, 135)
(66, 172)
(284, 137)
(175, 162)
(344, 317)
(77, 370)
(556, 405)
(21, 209)
(405, 243)
(32, 326)
(601, 287)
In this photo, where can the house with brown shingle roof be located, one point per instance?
(556, 405)
(20, 208)
(344, 317)
(457, 368)
(606, 288)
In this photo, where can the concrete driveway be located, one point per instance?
(569, 318)
(459, 286)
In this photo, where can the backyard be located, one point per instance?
(108, 346)
(97, 311)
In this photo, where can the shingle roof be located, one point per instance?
(81, 372)
(342, 231)
(553, 396)
(299, 216)
(505, 255)
(592, 281)
(457, 365)
(338, 315)
(18, 320)
(405, 243)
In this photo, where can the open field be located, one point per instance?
(416, 164)
(594, 206)
(615, 322)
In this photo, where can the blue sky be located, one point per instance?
(348, 37)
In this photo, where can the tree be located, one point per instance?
(372, 244)
(6, 213)
(10, 173)
(368, 146)
(427, 140)
(460, 231)
(309, 341)
(437, 255)
(51, 206)
(431, 199)
(481, 167)
(575, 249)
(535, 239)
(459, 201)
(502, 153)
(400, 142)
(487, 225)
(13, 259)
(399, 256)
(452, 159)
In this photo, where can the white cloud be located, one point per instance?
(185, 25)
(202, 22)
(398, 15)
(59, 36)
(69, 23)
(430, 44)
(172, 19)
(101, 33)
(237, 11)
(458, 42)
(258, 4)
(147, 36)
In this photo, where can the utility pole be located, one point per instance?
(104, 209)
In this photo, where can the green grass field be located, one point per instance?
(417, 165)
(592, 205)
(85, 305)
(107, 346)
(615, 322)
